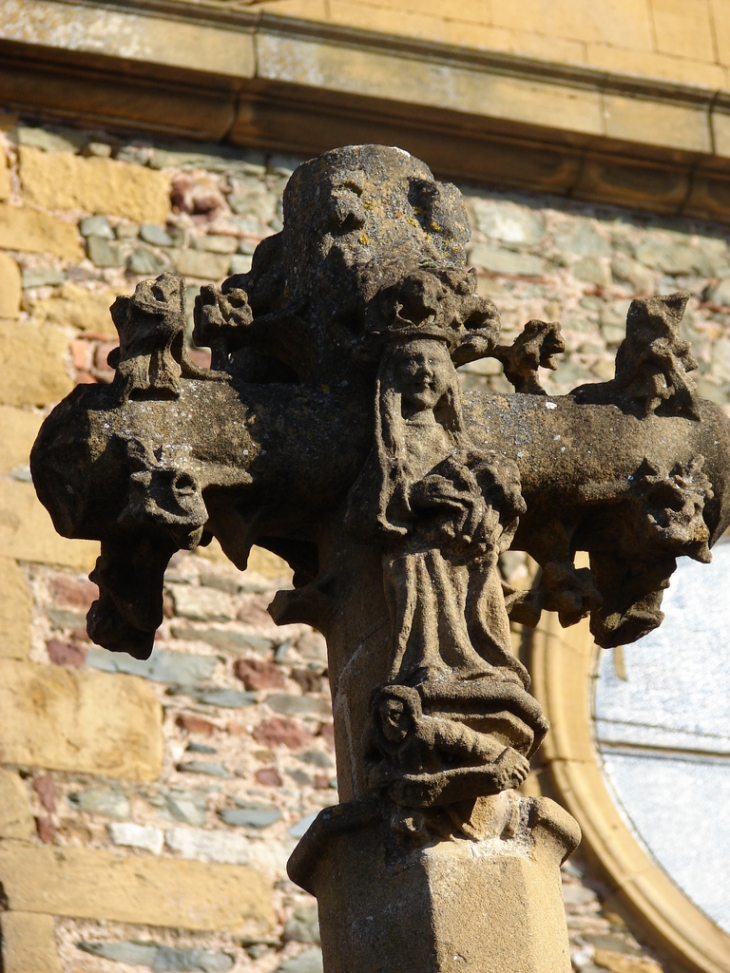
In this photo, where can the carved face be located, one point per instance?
(394, 719)
(423, 373)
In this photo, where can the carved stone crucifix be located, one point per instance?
(332, 430)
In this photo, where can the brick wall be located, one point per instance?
(147, 809)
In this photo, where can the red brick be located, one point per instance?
(310, 680)
(85, 378)
(101, 354)
(321, 782)
(259, 674)
(268, 777)
(195, 724)
(76, 594)
(168, 605)
(65, 653)
(46, 830)
(282, 731)
(236, 729)
(46, 791)
(254, 610)
(327, 731)
(80, 354)
(199, 357)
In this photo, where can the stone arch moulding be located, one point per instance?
(564, 666)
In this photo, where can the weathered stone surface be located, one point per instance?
(10, 287)
(308, 961)
(230, 698)
(214, 846)
(162, 666)
(161, 959)
(505, 262)
(42, 277)
(216, 244)
(198, 263)
(673, 258)
(66, 181)
(106, 801)
(143, 836)
(5, 184)
(508, 222)
(250, 817)
(187, 806)
(20, 427)
(52, 140)
(144, 261)
(29, 943)
(91, 884)
(103, 253)
(26, 531)
(299, 705)
(48, 380)
(720, 293)
(97, 226)
(593, 270)
(15, 611)
(156, 235)
(206, 767)
(581, 238)
(16, 820)
(228, 640)
(78, 720)
(621, 963)
(201, 604)
(36, 232)
(303, 925)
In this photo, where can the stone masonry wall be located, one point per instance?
(147, 809)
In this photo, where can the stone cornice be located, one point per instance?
(207, 71)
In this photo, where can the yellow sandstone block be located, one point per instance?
(4, 175)
(10, 287)
(32, 370)
(77, 307)
(62, 180)
(623, 23)
(665, 124)
(650, 65)
(15, 611)
(472, 11)
(454, 31)
(720, 10)
(90, 884)
(29, 943)
(683, 28)
(16, 821)
(27, 229)
(19, 430)
(304, 9)
(27, 532)
(519, 42)
(79, 720)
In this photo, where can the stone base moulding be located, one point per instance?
(492, 905)
(564, 664)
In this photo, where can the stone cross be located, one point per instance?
(331, 429)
